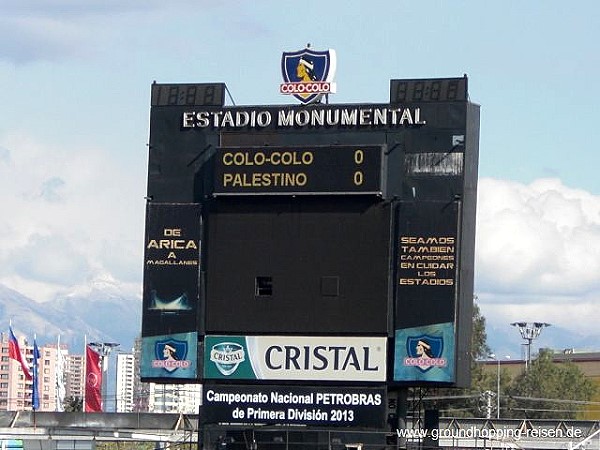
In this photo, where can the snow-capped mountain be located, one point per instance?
(99, 312)
(102, 311)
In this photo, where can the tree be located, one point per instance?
(550, 390)
(73, 404)
(479, 347)
(466, 402)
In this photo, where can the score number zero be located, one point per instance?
(289, 158)
(359, 158)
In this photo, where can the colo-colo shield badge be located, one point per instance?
(425, 352)
(308, 74)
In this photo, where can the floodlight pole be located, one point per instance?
(529, 331)
(494, 357)
(104, 349)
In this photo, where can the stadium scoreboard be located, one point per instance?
(295, 243)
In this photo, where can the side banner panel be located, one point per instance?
(426, 302)
(172, 264)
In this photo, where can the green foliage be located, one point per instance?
(466, 402)
(550, 390)
(73, 404)
(479, 347)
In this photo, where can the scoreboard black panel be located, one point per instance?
(308, 213)
(322, 262)
(298, 170)
(429, 90)
(205, 94)
(172, 261)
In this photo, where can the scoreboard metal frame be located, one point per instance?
(312, 225)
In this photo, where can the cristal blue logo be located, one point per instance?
(227, 356)
(170, 355)
(425, 352)
(308, 74)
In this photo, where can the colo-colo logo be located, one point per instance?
(308, 74)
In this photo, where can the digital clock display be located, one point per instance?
(205, 94)
(340, 169)
(428, 90)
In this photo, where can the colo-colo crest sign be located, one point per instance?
(308, 74)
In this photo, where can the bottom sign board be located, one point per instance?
(170, 356)
(294, 405)
(425, 354)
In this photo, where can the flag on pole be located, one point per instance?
(93, 381)
(14, 352)
(60, 378)
(35, 390)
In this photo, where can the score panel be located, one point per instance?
(197, 94)
(428, 90)
(339, 169)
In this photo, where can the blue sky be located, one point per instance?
(74, 118)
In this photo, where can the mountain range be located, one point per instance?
(100, 312)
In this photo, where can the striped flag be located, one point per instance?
(14, 352)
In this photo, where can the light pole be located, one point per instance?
(104, 349)
(494, 357)
(529, 331)
(497, 384)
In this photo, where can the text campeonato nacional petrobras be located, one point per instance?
(311, 398)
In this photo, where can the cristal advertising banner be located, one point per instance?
(425, 354)
(323, 358)
(172, 264)
(170, 356)
(294, 405)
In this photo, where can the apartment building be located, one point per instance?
(174, 398)
(125, 382)
(74, 376)
(15, 389)
(62, 376)
(59, 375)
(133, 395)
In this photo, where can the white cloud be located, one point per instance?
(26, 39)
(537, 253)
(78, 8)
(77, 214)
(73, 214)
(51, 259)
(60, 30)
